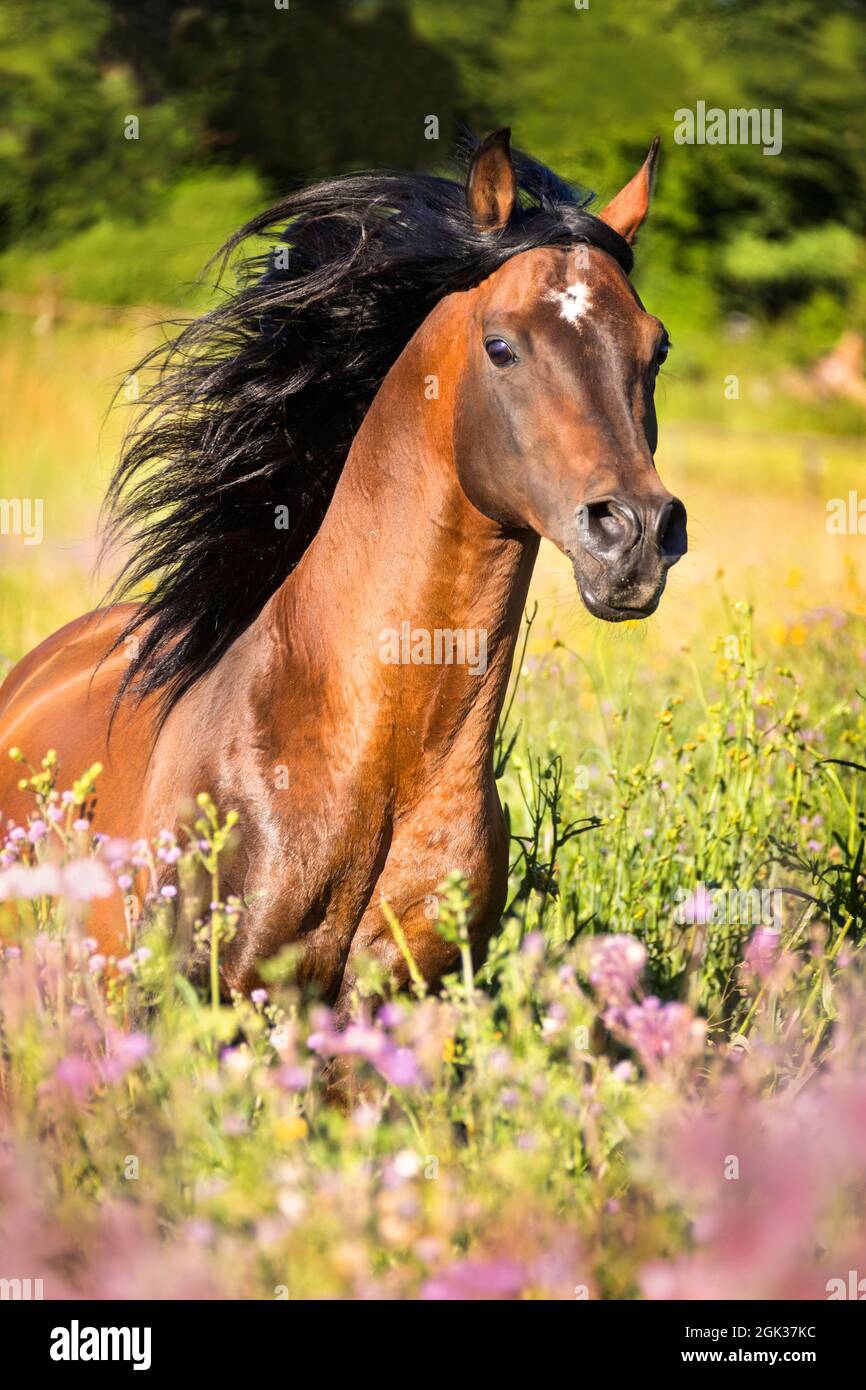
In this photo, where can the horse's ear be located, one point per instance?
(626, 212)
(491, 186)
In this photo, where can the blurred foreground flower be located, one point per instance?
(80, 880)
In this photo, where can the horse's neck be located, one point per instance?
(405, 572)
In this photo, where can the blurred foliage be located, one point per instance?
(64, 94)
(253, 98)
(827, 255)
(154, 259)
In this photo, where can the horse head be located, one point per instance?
(555, 422)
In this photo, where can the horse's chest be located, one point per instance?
(406, 856)
(334, 870)
(443, 835)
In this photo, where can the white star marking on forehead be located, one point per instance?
(574, 302)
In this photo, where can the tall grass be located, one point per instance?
(618, 1104)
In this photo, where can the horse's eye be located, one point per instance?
(662, 351)
(499, 352)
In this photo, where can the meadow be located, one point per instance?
(655, 1085)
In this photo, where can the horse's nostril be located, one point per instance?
(670, 530)
(608, 526)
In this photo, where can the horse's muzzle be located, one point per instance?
(624, 549)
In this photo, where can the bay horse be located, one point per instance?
(352, 455)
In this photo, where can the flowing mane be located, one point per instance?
(253, 406)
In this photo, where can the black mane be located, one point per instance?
(255, 404)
